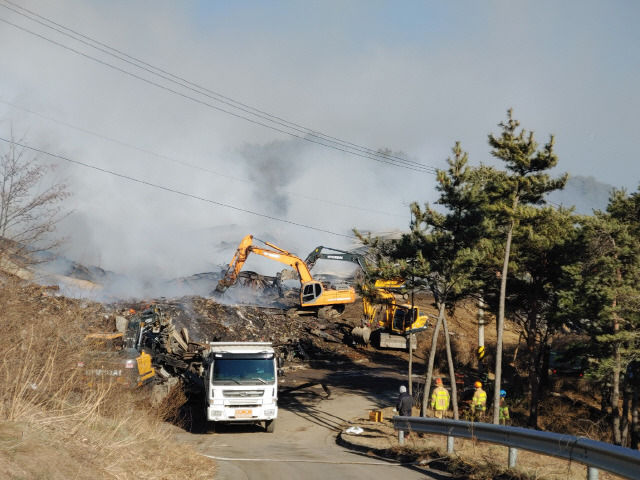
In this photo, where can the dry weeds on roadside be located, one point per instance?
(52, 424)
(472, 459)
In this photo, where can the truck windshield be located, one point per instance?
(243, 370)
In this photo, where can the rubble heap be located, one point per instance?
(176, 331)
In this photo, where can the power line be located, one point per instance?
(189, 164)
(217, 95)
(184, 194)
(203, 102)
(320, 138)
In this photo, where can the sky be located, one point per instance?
(181, 127)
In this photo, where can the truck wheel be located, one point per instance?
(270, 426)
(209, 427)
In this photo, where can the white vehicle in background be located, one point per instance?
(241, 383)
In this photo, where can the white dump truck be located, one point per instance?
(241, 383)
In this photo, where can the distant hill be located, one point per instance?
(585, 193)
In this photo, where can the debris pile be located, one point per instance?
(175, 332)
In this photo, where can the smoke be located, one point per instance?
(165, 185)
(273, 167)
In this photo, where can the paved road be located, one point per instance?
(304, 443)
(303, 446)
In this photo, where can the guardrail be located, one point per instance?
(596, 455)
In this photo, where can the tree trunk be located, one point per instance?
(500, 322)
(534, 379)
(452, 373)
(615, 396)
(635, 426)
(624, 424)
(432, 358)
(617, 367)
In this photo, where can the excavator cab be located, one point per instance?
(404, 321)
(310, 292)
(401, 320)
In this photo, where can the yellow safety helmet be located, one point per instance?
(478, 384)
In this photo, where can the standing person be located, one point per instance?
(440, 399)
(404, 405)
(479, 402)
(504, 408)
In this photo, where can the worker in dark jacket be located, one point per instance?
(404, 404)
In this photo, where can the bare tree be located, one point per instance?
(29, 208)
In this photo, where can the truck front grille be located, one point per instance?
(243, 393)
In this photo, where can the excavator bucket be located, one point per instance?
(361, 335)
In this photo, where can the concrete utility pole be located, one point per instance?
(411, 320)
(481, 324)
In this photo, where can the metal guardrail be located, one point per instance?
(596, 455)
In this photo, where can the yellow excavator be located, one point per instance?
(388, 318)
(314, 296)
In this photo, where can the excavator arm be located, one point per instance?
(231, 275)
(278, 254)
(312, 292)
(333, 254)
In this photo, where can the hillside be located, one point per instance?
(111, 432)
(53, 424)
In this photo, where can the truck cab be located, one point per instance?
(241, 383)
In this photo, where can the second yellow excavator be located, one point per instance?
(314, 296)
(392, 321)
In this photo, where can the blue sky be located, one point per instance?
(412, 76)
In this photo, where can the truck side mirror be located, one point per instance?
(280, 362)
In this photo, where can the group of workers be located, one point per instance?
(440, 399)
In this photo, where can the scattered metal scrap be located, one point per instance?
(175, 333)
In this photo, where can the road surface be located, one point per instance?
(304, 442)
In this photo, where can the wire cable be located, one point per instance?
(319, 137)
(172, 190)
(216, 96)
(133, 147)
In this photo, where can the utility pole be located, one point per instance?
(481, 324)
(411, 321)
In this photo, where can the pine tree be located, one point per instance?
(525, 183)
(543, 243)
(604, 297)
(442, 249)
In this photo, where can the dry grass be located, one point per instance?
(53, 424)
(472, 459)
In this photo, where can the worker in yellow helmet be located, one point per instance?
(479, 402)
(440, 399)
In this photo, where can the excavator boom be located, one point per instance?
(312, 292)
(328, 253)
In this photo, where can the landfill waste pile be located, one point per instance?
(175, 332)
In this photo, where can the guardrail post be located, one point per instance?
(624, 462)
(449, 444)
(513, 457)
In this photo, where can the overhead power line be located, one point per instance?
(133, 147)
(172, 190)
(293, 128)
